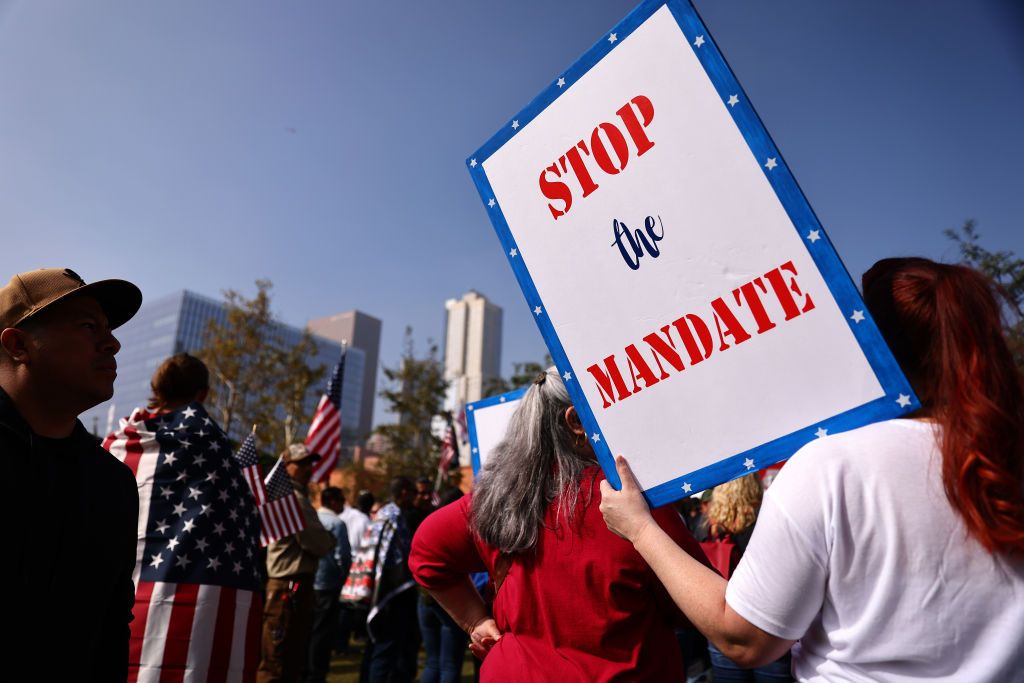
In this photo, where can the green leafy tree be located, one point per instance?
(415, 394)
(522, 375)
(1007, 271)
(255, 377)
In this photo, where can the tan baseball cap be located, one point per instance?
(29, 293)
(298, 452)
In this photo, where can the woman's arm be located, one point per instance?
(698, 591)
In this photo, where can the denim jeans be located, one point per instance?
(444, 642)
(727, 671)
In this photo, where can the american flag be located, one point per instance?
(249, 461)
(449, 451)
(281, 515)
(198, 599)
(324, 437)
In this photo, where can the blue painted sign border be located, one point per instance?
(471, 408)
(899, 398)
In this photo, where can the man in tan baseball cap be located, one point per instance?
(72, 560)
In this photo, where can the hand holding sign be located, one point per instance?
(684, 287)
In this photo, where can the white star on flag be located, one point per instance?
(733, 100)
(213, 563)
(173, 543)
(748, 463)
(472, 163)
(903, 400)
(182, 561)
(189, 524)
(185, 443)
(857, 316)
(822, 432)
(490, 203)
(567, 376)
(612, 38)
(561, 82)
(513, 252)
(537, 310)
(686, 487)
(189, 412)
(699, 41)
(515, 124)
(813, 236)
(169, 458)
(156, 561)
(771, 163)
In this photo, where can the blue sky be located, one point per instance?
(321, 144)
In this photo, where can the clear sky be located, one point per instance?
(321, 144)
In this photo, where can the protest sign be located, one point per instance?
(487, 421)
(703, 323)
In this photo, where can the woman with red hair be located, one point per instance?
(892, 552)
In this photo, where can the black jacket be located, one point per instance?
(69, 522)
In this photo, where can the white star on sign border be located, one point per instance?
(567, 376)
(699, 41)
(822, 432)
(733, 100)
(857, 316)
(903, 400)
(561, 82)
(472, 163)
(513, 253)
(537, 310)
(612, 38)
(515, 124)
(771, 163)
(491, 202)
(813, 236)
(596, 437)
(748, 463)
(686, 487)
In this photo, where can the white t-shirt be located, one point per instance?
(356, 521)
(858, 554)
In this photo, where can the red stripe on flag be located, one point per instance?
(179, 633)
(140, 613)
(253, 631)
(132, 449)
(223, 632)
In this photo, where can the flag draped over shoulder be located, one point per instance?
(198, 599)
(324, 437)
(281, 515)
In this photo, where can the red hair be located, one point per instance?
(944, 326)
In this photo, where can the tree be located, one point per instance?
(255, 377)
(522, 375)
(416, 392)
(1007, 271)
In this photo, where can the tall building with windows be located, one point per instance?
(360, 331)
(472, 349)
(177, 323)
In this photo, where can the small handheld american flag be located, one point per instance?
(248, 460)
(281, 515)
(324, 437)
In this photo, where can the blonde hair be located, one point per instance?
(734, 504)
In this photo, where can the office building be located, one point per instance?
(360, 331)
(472, 349)
(177, 323)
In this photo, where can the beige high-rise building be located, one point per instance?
(472, 349)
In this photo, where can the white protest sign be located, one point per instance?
(702, 321)
(487, 421)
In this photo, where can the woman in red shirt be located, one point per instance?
(574, 601)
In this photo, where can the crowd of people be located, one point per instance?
(892, 552)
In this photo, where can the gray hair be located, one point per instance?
(534, 464)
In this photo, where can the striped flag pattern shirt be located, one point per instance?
(198, 601)
(324, 437)
(281, 515)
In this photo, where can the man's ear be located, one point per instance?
(14, 343)
(573, 420)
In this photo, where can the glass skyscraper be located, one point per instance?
(177, 323)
